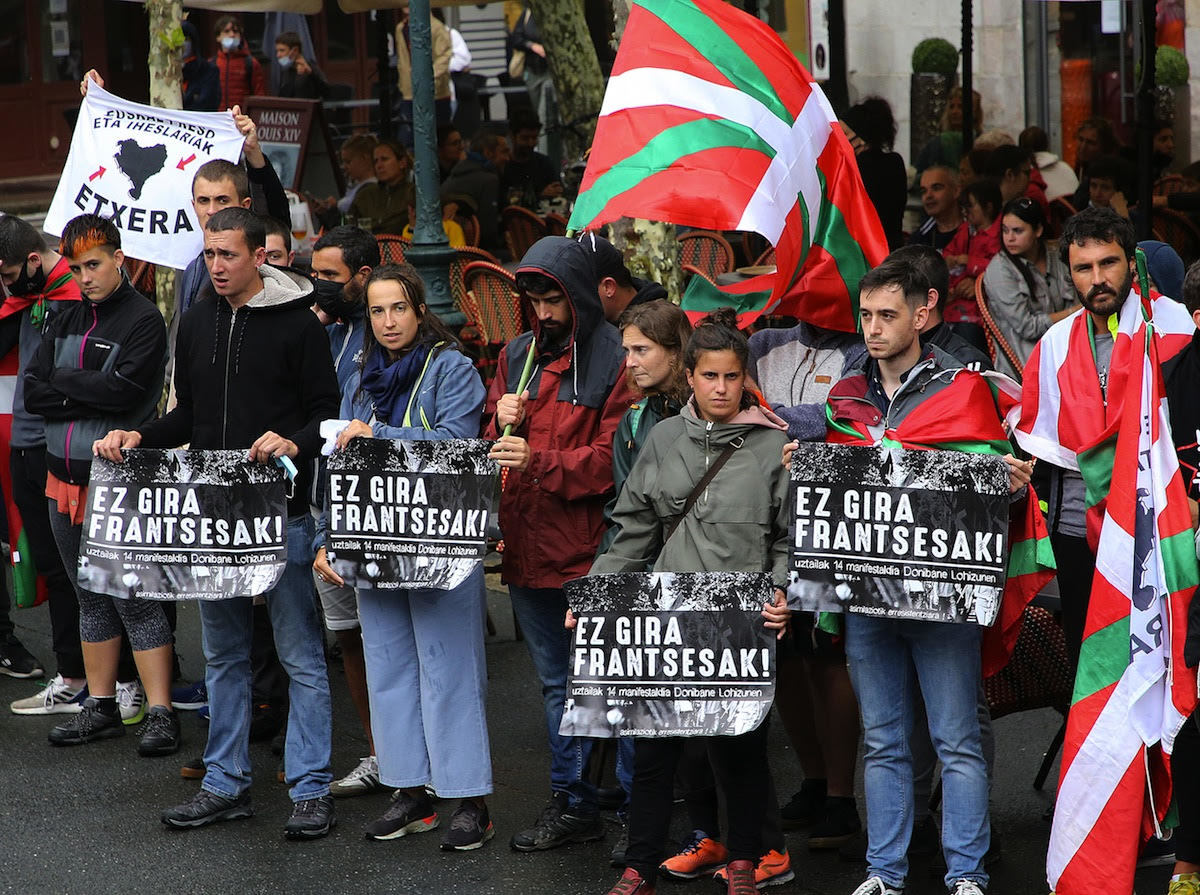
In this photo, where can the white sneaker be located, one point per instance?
(876, 886)
(362, 780)
(131, 700)
(966, 887)
(56, 698)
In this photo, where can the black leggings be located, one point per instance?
(1185, 779)
(740, 766)
(1076, 566)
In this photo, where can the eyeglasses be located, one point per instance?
(1024, 203)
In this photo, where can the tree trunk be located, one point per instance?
(574, 68)
(166, 76)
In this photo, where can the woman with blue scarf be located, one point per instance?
(426, 672)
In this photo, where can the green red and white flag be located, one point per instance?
(29, 588)
(710, 121)
(1132, 689)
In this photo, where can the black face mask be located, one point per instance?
(29, 285)
(331, 298)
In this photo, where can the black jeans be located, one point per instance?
(740, 766)
(1076, 566)
(1185, 778)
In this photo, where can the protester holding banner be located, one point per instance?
(425, 661)
(253, 371)
(899, 386)
(559, 462)
(726, 443)
(100, 365)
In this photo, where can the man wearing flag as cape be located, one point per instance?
(1094, 402)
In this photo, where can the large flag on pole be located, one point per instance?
(1132, 690)
(710, 121)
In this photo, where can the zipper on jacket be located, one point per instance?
(71, 425)
(225, 399)
(707, 449)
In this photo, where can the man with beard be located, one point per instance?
(1066, 406)
(341, 262)
(559, 477)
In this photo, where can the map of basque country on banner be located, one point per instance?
(134, 164)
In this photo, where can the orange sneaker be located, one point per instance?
(631, 883)
(699, 856)
(773, 869)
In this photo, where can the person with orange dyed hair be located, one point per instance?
(100, 366)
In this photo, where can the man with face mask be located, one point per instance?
(241, 75)
(294, 76)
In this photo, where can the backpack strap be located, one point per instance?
(702, 484)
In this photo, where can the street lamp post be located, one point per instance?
(430, 252)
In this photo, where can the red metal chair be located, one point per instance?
(141, 276)
(1177, 230)
(690, 270)
(470, 228)
(1168, 184)
(522, 228)
(995, 338)
(767, 257)
(556, 224)
(1060, 210)
(494, 296)
(706, 251)
(464, 255)
(391, 248)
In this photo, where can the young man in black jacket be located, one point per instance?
(253, 371)
(100, 366)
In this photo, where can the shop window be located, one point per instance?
(62, 41)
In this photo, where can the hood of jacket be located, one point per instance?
(753, 417)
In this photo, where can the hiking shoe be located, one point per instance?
(131, 700)
(189, 697)
(362, 780)
(739, 877)
(559, 825)
(470, 828)
(405, 815)
(16, 661)
(966, 887)
(90, 724)
(631, 883)
(56, 698)
(193, 770)
(311, 819)
(840, 825)
(806, 807)
(617, 857)
(773, 869)
(1186, 884)
(207, 808)
(876, 886)
(160, 733)
(699, 856)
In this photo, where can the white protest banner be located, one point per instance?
(134, 164)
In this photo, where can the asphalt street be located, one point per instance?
(86, 819)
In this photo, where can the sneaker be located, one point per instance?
(56, 698)
(840, 825)
(740, 878)
(207, 808)
(806, 807)
(699, 856)
(470, 828)
(876, 886)
(189, 697)
(90, 724)
(311, 819)
(773, 869)
(966, 887)
(1156, 852)
(1185, 884)
(193, 770)
(362, 780)
(631, 883)
(131, 700)
(617, 857)
(557, 826)
(16, 661)
(160, 733)
(405, 815)
(204, 714)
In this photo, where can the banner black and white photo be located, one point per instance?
(669, 654)
(896, 533)
(181, 525)
(406, 514)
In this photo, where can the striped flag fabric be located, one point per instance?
(1132, 690)
(29, 588)
(710, 121)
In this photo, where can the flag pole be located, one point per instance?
(526, 371)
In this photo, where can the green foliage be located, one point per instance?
(935, 55)
(1170, 68)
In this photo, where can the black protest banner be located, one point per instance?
(669, 654)
(897, 533)
(405, 514)
(181, 525)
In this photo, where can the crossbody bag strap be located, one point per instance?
(702, 484)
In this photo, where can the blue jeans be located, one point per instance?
(540, 613)
(883, 655)
(227, 627)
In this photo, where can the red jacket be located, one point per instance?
(241, 76)
(552, 512)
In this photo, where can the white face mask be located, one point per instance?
(230, 43)
(284, 61)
